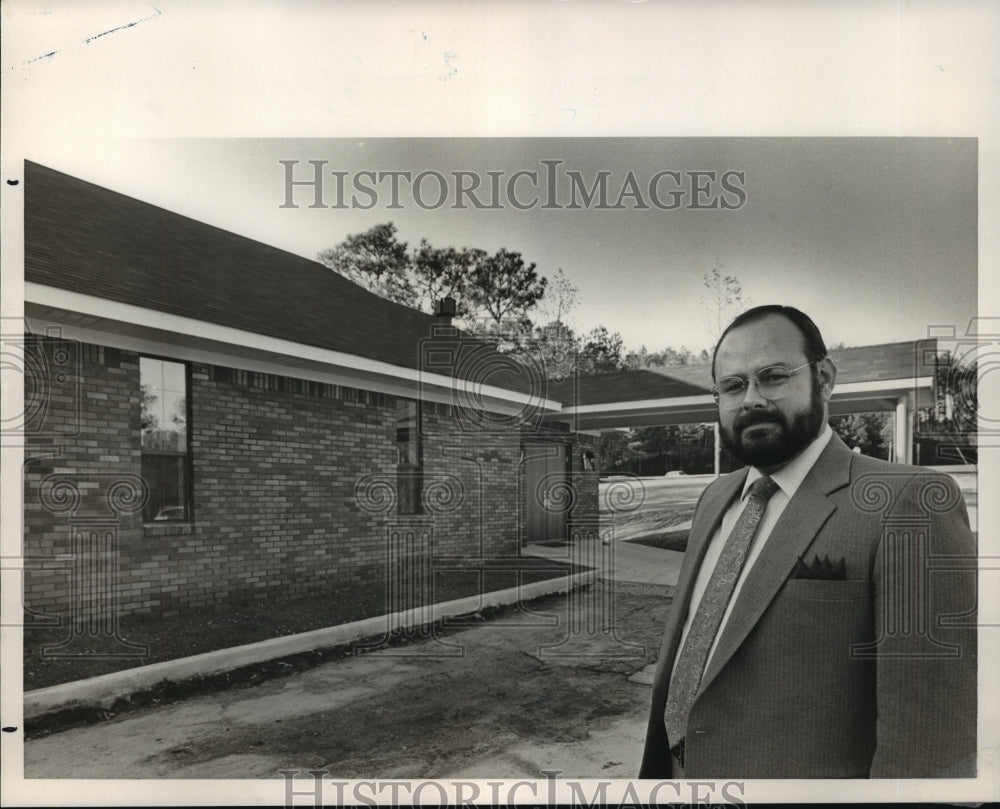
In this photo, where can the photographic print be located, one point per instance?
(358, 459)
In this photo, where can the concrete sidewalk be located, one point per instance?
(618, 561)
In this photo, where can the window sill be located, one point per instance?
(165, 529)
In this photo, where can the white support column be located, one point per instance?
(911, 425)
(903, 436)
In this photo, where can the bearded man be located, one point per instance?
(810, 636)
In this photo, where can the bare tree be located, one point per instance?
(560, 299)
(722, 300)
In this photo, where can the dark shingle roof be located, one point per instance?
(628, 386)
(85, 238)
(885, 361)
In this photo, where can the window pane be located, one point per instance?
(407, 440)
(409, 476)
(165, 477)
(164, 438)
(164, 405)
(409, 484)
(173, 376)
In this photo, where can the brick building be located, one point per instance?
(210, 418)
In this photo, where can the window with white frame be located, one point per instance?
(164, 440)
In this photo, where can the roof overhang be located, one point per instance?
(93, 319)
(849, 397)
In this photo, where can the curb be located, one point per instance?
(103, 690)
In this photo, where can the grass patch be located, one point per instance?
(668, 541)
(239, 622)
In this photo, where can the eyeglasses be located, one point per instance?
(771, 384)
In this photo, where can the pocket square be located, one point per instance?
(820, 567)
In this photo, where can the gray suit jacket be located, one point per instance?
(871, 676)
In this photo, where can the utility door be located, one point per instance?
(546, 492)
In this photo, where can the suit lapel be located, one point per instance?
(795, 530)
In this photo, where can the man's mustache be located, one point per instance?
(752, 417)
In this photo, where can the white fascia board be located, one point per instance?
(643, 404)
(884, 386)
(208, 342)
(211, 356)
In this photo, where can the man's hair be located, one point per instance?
(815, 348)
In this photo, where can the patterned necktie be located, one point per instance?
(708, 617)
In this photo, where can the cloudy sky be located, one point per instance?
(875, 237)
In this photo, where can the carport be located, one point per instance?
(891, 377)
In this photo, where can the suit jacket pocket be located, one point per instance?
(826, 589)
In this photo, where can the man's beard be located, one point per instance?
(776, 448)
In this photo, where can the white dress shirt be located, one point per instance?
(788, 478)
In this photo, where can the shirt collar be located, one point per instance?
(790, 476)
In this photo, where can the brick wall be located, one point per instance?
(293, 490)
(81, 471)
(470, 484)
(275, 466)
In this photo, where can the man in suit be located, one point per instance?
(823, 620)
